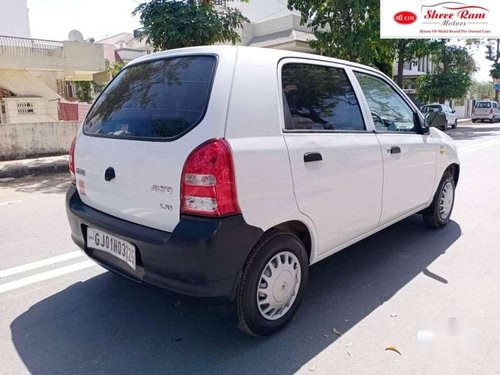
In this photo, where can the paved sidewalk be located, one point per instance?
(19, 168)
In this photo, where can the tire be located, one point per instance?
(492, 120)
(439, 212)
(271, 247)
(454, 126)
(474, 121)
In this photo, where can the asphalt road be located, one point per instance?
(434, 295)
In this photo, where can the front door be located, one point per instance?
(409, 157)
(336, 163)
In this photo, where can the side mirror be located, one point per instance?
(453, 111)
(420, 124)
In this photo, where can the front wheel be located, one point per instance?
(272, 283)
(439, 212)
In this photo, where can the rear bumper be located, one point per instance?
(482, 117)
(202, 257)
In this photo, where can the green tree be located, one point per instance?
(185, 23)
(452, 77)
(493, 54)
(408, 50)
(84, 91)
(347, 29)
(113, 68)
(482, 90)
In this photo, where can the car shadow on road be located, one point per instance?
(46, 183)
(473, 132)
(114, 326)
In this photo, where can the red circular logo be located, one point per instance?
(405, 17)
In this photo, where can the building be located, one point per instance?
(412, 70)
(38, 76)
(124, 47)
(272, 25)
(14, 18)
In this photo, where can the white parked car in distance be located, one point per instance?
(485, 110)
(451, 117)
(225, 172)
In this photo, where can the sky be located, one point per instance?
(53, 19)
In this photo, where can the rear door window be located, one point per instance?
(431, 108)
(483, 105)
(158, 99)
(319, 98)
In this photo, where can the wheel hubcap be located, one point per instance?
(446, 200)
(278, 286)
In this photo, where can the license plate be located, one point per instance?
(117, 247)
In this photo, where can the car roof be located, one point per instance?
(277, 54)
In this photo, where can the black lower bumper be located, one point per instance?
(202, 257)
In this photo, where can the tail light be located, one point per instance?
(473, 110)
(208, 185)
(72, 161)
(491, 111)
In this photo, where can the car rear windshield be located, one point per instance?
(159, 99)
(431, 108)
(483, 105)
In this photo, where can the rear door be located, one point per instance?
(130, 154)
(335, 159)
(409, 157)
(483, 109)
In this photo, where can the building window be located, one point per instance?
(25, 108)
(69, 90)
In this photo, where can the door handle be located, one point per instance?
(394, 150)
(312, 156)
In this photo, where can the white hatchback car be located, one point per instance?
(451, 117)
(225, 172)
(485, 110)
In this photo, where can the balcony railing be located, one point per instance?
(16, 46)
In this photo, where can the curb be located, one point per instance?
(22, 170)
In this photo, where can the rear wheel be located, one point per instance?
(439, 213)
(272, 283)
(454, 126)
(474, 121)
